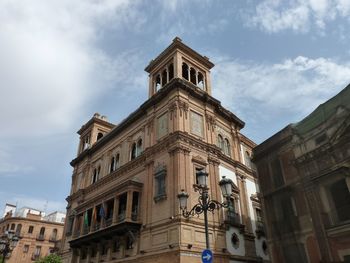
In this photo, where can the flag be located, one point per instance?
(94, 214)
(102, 212)
(86, 219)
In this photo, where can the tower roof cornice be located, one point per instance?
(177, 44)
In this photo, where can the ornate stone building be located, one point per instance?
(304, 174)
(123, 205)
(38, 235)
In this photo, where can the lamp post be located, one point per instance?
(8, 242)
(205, 203)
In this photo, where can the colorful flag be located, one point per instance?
(94, 215)
(86, 219)
(102, 212)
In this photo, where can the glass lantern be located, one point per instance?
(226, 186)
(202, 177)
(183, 196)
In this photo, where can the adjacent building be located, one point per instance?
(123, 204)
(304, 175)
(38, 235)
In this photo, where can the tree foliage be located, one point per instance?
(53, 258)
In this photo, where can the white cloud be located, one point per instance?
(298, 15)
(50, 60)
(294, 86)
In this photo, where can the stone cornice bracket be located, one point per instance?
(148, 162)
(213, 160)
(211, 120)
(241, 176)
(173, 109)
(183, 106)
(179, 149)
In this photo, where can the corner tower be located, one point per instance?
(179, 61)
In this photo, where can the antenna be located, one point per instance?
(45, 207)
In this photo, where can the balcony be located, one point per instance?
(53, 238)
(337, 217)
(120, 228)
(260, 229)
(86, 229)
(40, 237)
(108, 222)
(96, 226)
(35, 256)
(234, 219)
(76, 233)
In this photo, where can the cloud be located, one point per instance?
(297, 15)
(8, 165)
(264, 94)
(51, 62)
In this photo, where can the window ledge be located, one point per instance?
(159, 198)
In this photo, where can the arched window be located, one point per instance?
(54, 235)
(185, 71)
(171, 71)
(117, 161)
(157, 85)
(13, 226)
(139, 147)
(99, 135)
(18, 230)
(133, 151)
(112, 165)
(227, 149)
(164, 78)
(247, 159)
(96, 174)
(193, 76)
(220, 142)
(200, 83)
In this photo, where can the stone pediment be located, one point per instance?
(200, 160)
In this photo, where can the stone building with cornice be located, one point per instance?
(123, 205)
(304, 174)
(38, 235)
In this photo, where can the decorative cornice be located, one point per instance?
(141, 112)
(174, 142)
(198, 159)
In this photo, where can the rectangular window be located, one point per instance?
(162, 125)
(258, 215)
(30, 229)
(25, 248)
(341, 200)
(277, 173)
(160, 183)
(37, 251)
(196, 124)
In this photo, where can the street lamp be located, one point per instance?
(205, 203)
(8, 242)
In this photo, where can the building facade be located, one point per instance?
(123, 205)
(304, 175)
(38, 236)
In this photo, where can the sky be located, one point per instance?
(61, 61)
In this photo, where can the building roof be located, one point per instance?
(323, 112)
(177, 44)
